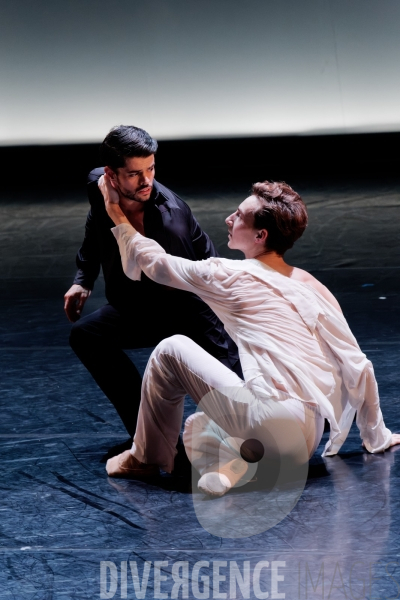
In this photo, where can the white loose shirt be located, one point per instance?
(292, 342)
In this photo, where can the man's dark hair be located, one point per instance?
(283, 214)
(125, 141)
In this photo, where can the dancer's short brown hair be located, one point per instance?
(283, 214)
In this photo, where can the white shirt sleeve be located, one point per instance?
(375, 435)
(139, 253)
(361, 390)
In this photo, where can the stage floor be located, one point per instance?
(61, 517)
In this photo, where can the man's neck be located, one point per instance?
(131, 207)
(134, 212)
(276, 262)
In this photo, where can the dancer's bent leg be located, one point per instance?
(177, 367)
(97, 340)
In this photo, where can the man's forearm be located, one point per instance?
(88, 267)
(85, 280)
(116, 215)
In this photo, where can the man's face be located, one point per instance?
(241, 232)
(134, 181)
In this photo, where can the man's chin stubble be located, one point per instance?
(134, 199)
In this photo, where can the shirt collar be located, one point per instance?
(155, 192)
(161, 198)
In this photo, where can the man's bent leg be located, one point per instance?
(176, 367)
(97, 340)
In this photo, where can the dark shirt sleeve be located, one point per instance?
(88, 257)
(202, 245)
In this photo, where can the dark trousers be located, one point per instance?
(99, 340)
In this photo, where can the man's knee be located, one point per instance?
(95, 328)
(77, 336)
(85, 332)
(176, 346)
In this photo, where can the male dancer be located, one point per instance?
(139, 313)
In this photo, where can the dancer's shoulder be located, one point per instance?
(306, 277)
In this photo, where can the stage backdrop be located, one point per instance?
(189, 68)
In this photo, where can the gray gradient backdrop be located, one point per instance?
(192, 68)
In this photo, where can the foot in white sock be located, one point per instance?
(219, 479)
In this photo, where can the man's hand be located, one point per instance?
(111, 200)
(395, 439)
(74, 301)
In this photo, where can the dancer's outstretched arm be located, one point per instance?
(139, 253)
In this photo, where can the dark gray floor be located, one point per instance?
(60, 515)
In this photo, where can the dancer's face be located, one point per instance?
(134, 181)
(241, 232)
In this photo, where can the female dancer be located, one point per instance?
(300, 361)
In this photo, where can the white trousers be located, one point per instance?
(229, 415)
